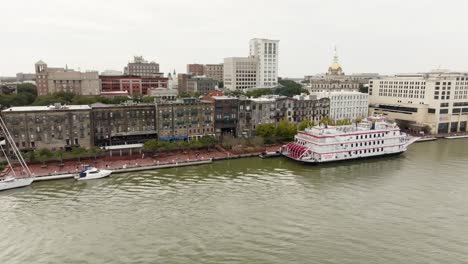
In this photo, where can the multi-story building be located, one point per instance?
(435, 102)
(184, 84)
(133, 84)
(164, 94)
(214, 71)
(346, 105)
(245, 123)
(52, 80)
(266, 52)
(53, 127)
(311, 108)
(188, 118)
(225, 114)
(204, 85)
(24, 77)
(240, 73)
(334, 80)
(123, 124)
(143, 68)
(196, 69)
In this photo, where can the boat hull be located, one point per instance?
(313, 162)
(100, 175)
(16, 183)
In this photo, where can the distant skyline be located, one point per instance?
(383, 36)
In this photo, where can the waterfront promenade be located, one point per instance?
(141, 161)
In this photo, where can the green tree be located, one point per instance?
(327, 121)
(95, 151)
(305, 124)
(78, 152)
(208, 141)
(343, 122)
(285, 129)
(60, 153)
(289, 88)
(265, 130)
(44, 154)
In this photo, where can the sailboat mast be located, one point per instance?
(14, 147)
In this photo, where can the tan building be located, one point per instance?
(53, 80)
(187, 118)
(140, 67)
(435, 102)
(214, 71)
(240, 73)
(53, 127)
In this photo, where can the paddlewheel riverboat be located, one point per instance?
(374, 136)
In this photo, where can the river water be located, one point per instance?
(407, 209)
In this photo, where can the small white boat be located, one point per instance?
(91, 173)
(12, 182)
(456, 136)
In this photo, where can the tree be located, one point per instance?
(60, 153)
(220, 84)
(289, 88)
(265, 130)
(78, 152)
(343, 122)
(305, 124)
(44, 154)
(327, 121)
(95, 151)
(151, 145)
(285, 129)
(208, 141)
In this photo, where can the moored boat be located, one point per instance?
(91, 173)
(372, 137)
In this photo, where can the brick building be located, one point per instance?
(196, 69)
(133, 84)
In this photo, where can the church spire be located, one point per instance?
(335, 56)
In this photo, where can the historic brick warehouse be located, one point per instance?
(63, 127)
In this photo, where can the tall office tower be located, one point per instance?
(266, 52)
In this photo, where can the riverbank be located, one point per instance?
(121, 164)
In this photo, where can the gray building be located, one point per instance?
(53, 127)
(141, 67)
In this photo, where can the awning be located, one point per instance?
(173, 138)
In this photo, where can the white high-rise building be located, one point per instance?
(259, 70)
(266, 52)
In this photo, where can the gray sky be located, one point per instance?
(386, 36)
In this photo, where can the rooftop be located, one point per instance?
(46, 108)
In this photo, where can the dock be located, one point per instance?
(132, 168)
(456, 137)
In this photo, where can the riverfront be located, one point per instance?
(404, 209)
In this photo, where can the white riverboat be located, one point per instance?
(372, 137)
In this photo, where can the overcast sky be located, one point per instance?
(386, 36)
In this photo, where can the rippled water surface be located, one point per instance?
(407, 209)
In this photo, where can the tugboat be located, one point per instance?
(10, 178)
(91, 173)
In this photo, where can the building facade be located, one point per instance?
(140, 67)
(196, 69)
(53, 127)
(225, 115)
(53, 80)
(123, 124)
(266, 52)
(214, 71)
(346, 105)
(240, 73)
(204, 85)
(188, 118)
(333, 80)
(435, 102)
(133, 84)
